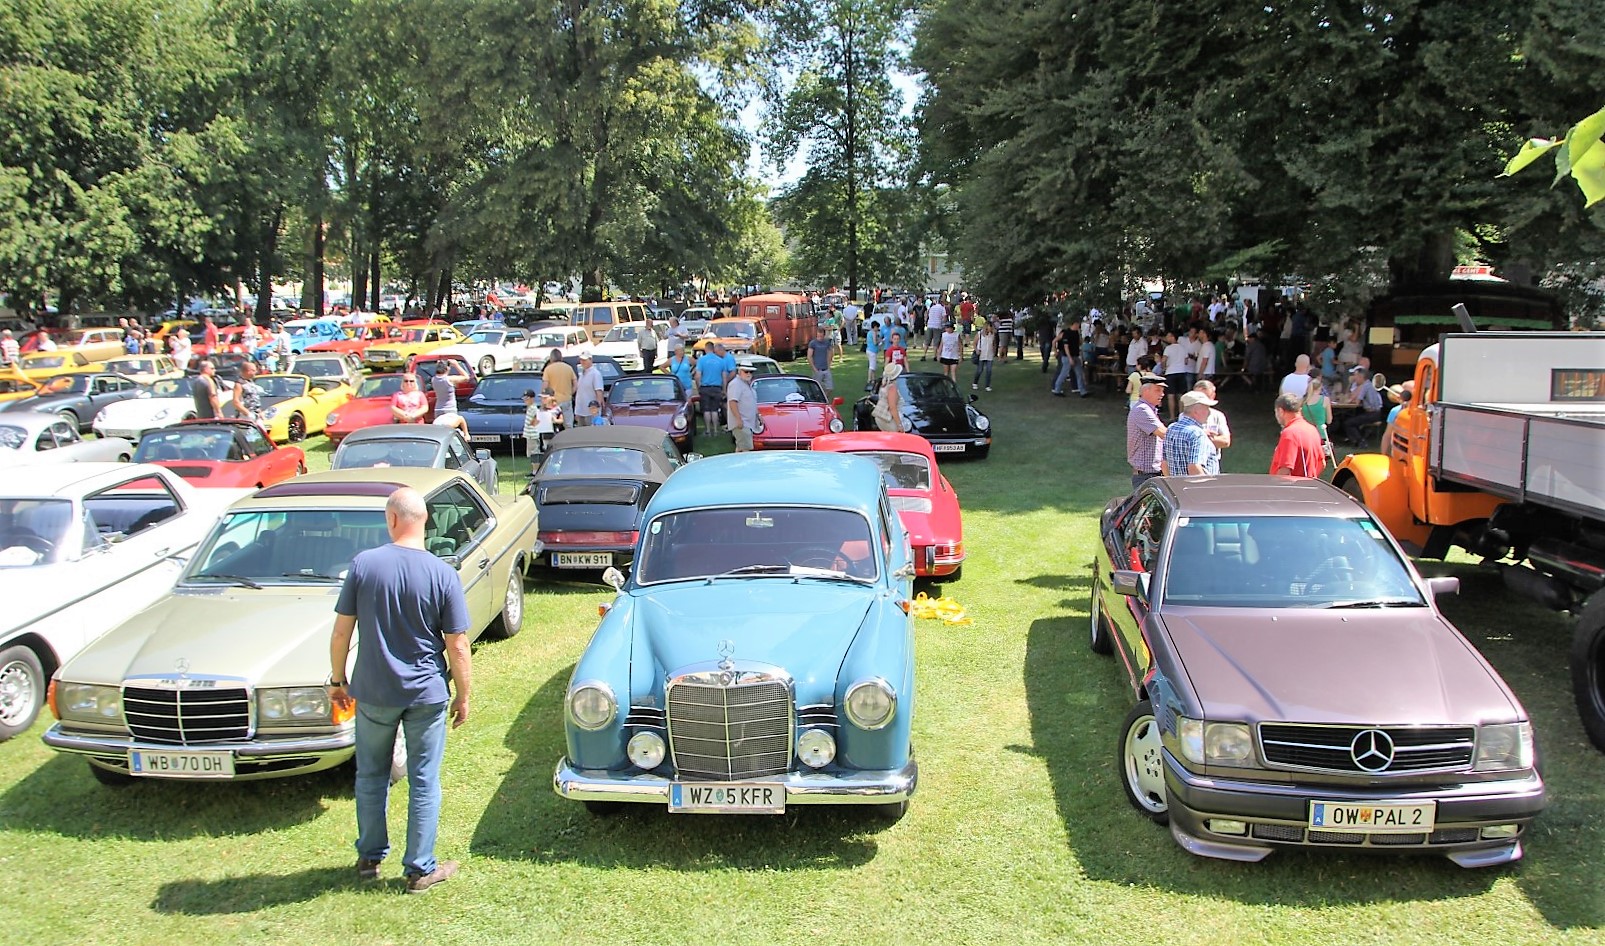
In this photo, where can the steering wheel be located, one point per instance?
(32, 541)
(818, 556)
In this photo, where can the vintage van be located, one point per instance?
(788, 319)
(598, 317)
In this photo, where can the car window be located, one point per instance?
(901, 470)
(256, 442)
(456, 521)
(66, 434)
(286, 546)
(132, 506)
(1143, 534)
(363, 454)
(671, 452)
(457, 453)
(788, 390)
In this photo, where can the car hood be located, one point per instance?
(804, 627)
(939, 417)
(278, 636)
(147, 406)
(790, 421)
(1372, 666)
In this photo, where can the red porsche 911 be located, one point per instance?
(792, 411)
(920, 493)
(222, 452)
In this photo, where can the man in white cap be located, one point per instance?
(1188, 450)
(589, 398)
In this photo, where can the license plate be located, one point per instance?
(947, 448)
(1374, 818)
(181, 764)
(484, 438)
(582, 559)
(727, 798)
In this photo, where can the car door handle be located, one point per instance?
(484, 563)
(162, 553)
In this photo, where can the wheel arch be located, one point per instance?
(48, 659)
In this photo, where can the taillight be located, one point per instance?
(588, 538)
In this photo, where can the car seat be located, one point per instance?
(314, 544)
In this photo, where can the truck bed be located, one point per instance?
(1550, 453)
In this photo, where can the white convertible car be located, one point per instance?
(168, 402)
(490, 348)
(36, 437)
(82, 547)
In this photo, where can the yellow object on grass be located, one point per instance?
(942, 609)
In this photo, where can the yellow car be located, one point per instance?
(393, 353)
(38, 365)
(15, 385)
(294, 405)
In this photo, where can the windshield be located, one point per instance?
(319, 367)
(382, 386)
(170, 387)
(75, 337)
(12, 438)
(487, 338)
(548, 339)
(1284, 561)
(596, 461)
(50, 360)
(635, 390)
(186, 444)
(34, 531)
(282, 386)
(66, 384)
(361, 454)
(928, 387)
(414, 335)
(784, 390)
(9, 386)
(133, 365)
(278, 546)
(506, 389)
(620, 333)
(785, 540)
(734, 330)
(900, 470)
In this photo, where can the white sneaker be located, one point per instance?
(974, 388)
(989, 388)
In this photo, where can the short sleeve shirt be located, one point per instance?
(405, 602)
(1143, 449)
(710, 370)
(1187, 442)
(559, 378)
(409, 401)
(819, 352)
(1299, 449)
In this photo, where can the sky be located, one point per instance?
(911, 86)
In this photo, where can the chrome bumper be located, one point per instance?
(802, 788)
(97, 744)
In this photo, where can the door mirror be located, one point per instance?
(614, 577)
(482, 454)
(1446, 585)
(837, 402)
(692, 457)
(1128, 582)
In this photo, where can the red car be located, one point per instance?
(919, 492)
(228, 452)
(792, 411)
(369, 407)
(426, 365)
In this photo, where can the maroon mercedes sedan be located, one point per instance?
(1294, 684)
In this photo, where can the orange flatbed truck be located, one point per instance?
(1502, 453)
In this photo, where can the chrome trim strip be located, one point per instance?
(802, 788)
(86, 744)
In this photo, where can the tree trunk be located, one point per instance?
(1431, 262)
(315, 268)
(265, 268)
(357, 253)
(373, 274)
(849, 102)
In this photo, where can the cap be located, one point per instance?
(1153, 379)
(585, 356)
(1357, 369)
(529, 392)
(1195, 398)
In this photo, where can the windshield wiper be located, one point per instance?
(310, 574)
(240, 580)
(753, 570)
(1377, 603)
(805, 571)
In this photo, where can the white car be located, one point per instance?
(620, 344)
(695, 321)
(167, 402)
(146, 369)
(30, 437)
(490, 348)
(567, 341)
(83, 547)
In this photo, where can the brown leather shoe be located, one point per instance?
(420, 883)
(367, 870)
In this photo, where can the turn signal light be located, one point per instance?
(904, 605)
(50, 699)
(342, 711)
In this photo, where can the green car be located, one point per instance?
(224, 677)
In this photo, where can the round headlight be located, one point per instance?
(870, 704)
(982, 422)
(334, 418)
(646, 750)
(816, 748)
(100, 418)
(591, 705)
(271, 413)
(835, 425)
(679, 422)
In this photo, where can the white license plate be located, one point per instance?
(1374, 818)
(582, 559)
(181, 764)
(947, 448)
(727, 798)
(484, 438)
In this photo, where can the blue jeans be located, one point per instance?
(424, 728)
(983, 368)
(1059, 379)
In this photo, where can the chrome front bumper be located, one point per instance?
(802, 788)
(262, 758)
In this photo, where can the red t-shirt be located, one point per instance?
(897, 355)
(1299, 449)
(966, 312)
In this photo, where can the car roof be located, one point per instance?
(787, 478)
(354, 489)
(609, 435)
(1255, 494)
(68, 479)
(30, 421)
(432, 432)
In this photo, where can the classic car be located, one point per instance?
(495, 409)
(304, 333)
(40, 365)
(295, 405)
(933, 408)
(1294, 683)
(621, 343)
(223, 678)
(591, 488)
(144, 369)
(81, 548)
(695, 320)
(569, 341)
(77, 397)
(922, 496)
(14, 385)
(28, 437)
(736, 335)
(222, 452)
(228, 365)
(369, 407)
(610, 370)
(326, 369)
(164, 403)
(489, 348)
(792, 411)
(425, 366)
(392, 353)
(362, 336)
(762, 365)
(759, 655)
(658, 402)
(95, 344)
(416, 445)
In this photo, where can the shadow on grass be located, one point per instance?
(526, 820)
(62, 797)
(1077, 701)
(255, 892)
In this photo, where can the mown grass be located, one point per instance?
(1019, 832)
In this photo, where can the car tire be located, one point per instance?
(295, 430)
(1588, 669)
(1142, 763)
(68, 417)
(511, 618)
(22, 690)
(1099, 641)
(1351, 486)
(487, 365)
(110, 778)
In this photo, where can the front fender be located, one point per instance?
(1378, 482)
(883, 648)
(606, 659)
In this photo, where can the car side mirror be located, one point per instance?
(481, 454)
(905, 573)
(837, 402)
(692, 457)
(614, 577)
(1445, 585)
(974, 398)
(1128, 582)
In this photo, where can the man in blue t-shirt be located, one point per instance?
(713, 370)
(679, 365)
(820, 352)
(872, 347)
(409, 610)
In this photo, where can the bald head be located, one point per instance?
(405, 515)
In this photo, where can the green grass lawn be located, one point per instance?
(1019, 831)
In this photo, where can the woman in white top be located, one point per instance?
(950, 351)
(986, 350)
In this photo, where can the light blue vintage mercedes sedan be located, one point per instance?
(760, 655)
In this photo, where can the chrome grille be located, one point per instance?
(187, 717)
(1326, 748)
(729, 725)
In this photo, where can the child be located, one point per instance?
(540, 421)
(896, 354)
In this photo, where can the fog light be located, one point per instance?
(646, 750)
(816, 748)
(1495, 832)
(1226, 826)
